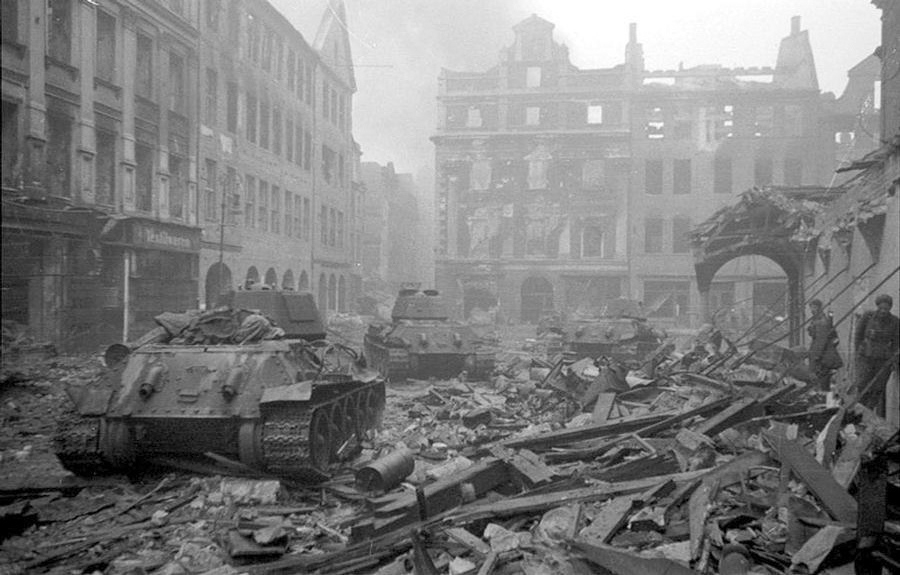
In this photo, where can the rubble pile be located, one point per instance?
(713, 459)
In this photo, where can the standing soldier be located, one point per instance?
(877, 343)
(823, 345)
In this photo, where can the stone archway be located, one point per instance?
(332, 293)
(218, 280)
(323, 293)
(287, 281)
(342, 294)
(303, 284)
(537, 298)
(252, 277)
(271, 278)
(772, 223)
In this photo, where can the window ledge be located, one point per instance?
(17, 47)
(109, 85)
(68, 68)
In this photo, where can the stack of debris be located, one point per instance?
(708, 460)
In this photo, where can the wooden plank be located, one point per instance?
(819, 480)
(735, 413)
(826, 441)
(471, 542)
(602, 408)
(612, 517)
(489, 563)
(529, 465)
(566, 436)
(621, 562)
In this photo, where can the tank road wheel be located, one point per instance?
(249, 448)
(320, 450)
(339, 431)
(116, 443)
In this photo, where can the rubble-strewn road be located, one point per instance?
(551, 466)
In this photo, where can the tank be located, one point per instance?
(619, 332)
(421, 342)
(253, 380)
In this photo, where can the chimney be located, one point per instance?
(632, 32)
(795, 25)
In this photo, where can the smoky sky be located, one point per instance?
(400, 46)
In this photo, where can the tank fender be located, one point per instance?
(90, 400)
(301, 391)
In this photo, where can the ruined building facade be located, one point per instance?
(277, 200)
(559, 188)
(394, 244)
(128, 125)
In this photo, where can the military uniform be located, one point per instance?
(877, 340)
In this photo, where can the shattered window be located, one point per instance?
(721, 122)
(59, 154)
(106, 47)
(209, 191)
(532, 116)
(473, 119)
(143, 75)
(289, 138)
(250, 202)
(11, 149)
(307, 218)
(681, 176)
(592, 241)
(106, 167)
(763, 121)
(328, 163)
(595, 114)
(653, 235)
(212, 97)
(143, 177)
(60, 34)
(275, 223)
(680, 242)
(177, 95)
(533, 77)
(276, 129)
(262, 217)
(653, 177)
(177, 185)
(231, 96)
(264, 124)
(682, 124)
(656, 124)
(251, 117)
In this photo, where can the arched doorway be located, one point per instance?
(218, 280)
(537, 298)
(287, 281)
(342, 294)
(271, 278)
(323, 293)
(252, 277)
(332, 293)
(304, 281)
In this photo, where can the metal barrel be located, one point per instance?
(386, 472)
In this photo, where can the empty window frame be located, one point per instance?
(681, 176)
(681, 226)
(722, 175)
(105, 55)
(653, 177)
(653, 235)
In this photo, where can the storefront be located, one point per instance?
(162, 260)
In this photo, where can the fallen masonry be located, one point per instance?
(722, 464)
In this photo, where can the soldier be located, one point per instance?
(877, 343)
(823, 345)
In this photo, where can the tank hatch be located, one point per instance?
(416, 304)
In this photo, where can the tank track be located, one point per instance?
(77, 445)
(288, 433)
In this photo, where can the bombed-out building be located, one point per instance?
(394, 246)
(99, 155)
(277, 199)
(558, 188)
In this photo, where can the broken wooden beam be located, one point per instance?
(819, 480)
(566, 436)
(619, 562)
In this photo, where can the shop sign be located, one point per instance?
(160, 237)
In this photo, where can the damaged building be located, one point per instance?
(558, 188)
(394, 250)
(278, 204)
(155, 153)
(99, 153)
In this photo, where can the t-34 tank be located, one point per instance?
(273, 395)
(421, 342)
(620, 332)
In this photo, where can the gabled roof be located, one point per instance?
(334, 25)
